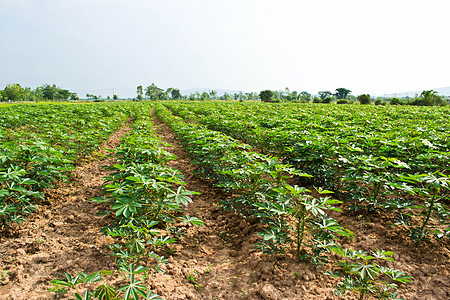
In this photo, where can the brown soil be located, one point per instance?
(217, 261)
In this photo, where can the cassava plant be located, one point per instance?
(363, 274)
(431, 189)
(308, 216)
(134, 289)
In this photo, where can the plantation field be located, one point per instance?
(224, 200)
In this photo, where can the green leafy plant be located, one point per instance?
(193, 278)
(431, 189)
(363, 274)
(134, 289)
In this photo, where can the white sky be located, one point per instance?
(374, 47)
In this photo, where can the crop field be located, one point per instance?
(224, 200)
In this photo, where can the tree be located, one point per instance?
(49, 92)
(213, 94)
(154, 92)
(429, 98)
(204, 96)
(304, 96)
(292, 96)
(13, 92)
(266, 96)
(396, 101)
(176, 94)
(226, 96)
(74, 96)
(324, 94)
(364, 99)
(286, 92)
(62, 94)
(115, 97)
(53, 93)
(342, 93)
(241, 96)
(168, 93)
(91, 96)
(140, 92)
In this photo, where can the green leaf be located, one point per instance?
(105, 292)
(192, 220)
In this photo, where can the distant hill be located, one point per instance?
(220, 92)
(443, 91)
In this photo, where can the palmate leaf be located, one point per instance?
(125, 207)
(365, 271)
(314, 206)
(273, 234)
(381, 254)
(134, 289)
(152, 296)
(117, 188)
(105, 292)
(7, 209)
(193, 220)
(70, 281)
(181, 196)
(136, 245)
(94, 277)
(333, 226)
(398, 276)
(4, 193)
(86, 296)
(161, 240)
(279, 208)
(437, 182)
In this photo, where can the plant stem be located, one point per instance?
(363, 293)
(430, 209)
(300, 231)
(157, 212)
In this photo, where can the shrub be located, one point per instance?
(266, 96)
(396, 101)
(379, 102)
(341, 101)
(364, 99)
(327, 100)
(429, 98)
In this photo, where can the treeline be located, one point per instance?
(152, 92)
(343, 96)
(46, 92)
(340, 96)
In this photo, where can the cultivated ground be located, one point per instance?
(217, 261)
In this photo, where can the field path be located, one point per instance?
(63, 236)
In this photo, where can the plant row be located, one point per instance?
(39, 146)
(376, 159)
(145, 199)
(259, 188)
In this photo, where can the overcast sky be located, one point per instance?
(374, 47)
